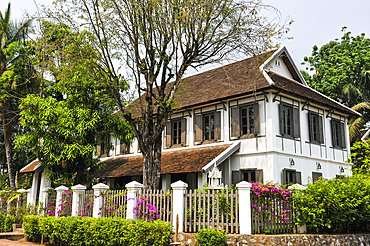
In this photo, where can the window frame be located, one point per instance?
(212, 131)
(297, 177)
(236, 121)
(340, 137)
(320, 128)
(170, 131)
(179, 131)
(295, 128)
(199, 127)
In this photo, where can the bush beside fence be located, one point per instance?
(77, 231)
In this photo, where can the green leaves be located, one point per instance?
(335, 206)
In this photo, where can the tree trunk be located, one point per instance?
(148, 168)
(7, 126)
(157, 162)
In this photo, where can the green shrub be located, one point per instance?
(335, 206)
(210, 237)
(31, 228)
(80, 231)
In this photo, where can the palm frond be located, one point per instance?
(361, 106)
(354, 128)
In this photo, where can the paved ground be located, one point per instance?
(6, 242)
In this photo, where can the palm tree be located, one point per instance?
(11, 85)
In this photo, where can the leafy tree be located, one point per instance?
(155, 42)
(75, 113)
(340, 73)
(360, 157)
(15, 79)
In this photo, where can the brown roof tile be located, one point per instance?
(240, 78)
(30, 167)
(296, 88)
(176, 161)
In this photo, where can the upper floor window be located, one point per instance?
(207, 127)
(176, 133)
(123, 148)
(289, 120)
(315, 128)
(249, 175)
(245, 121)
(103, 148)
(338, 135)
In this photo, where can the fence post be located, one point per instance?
(29, 196)
(178, 188)
(20, 198)
(245, 217)
(58, 200)
(77, 190)
(98, 198)
(132, 190)
(44, 198)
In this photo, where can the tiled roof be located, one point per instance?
(30, 167)
(306, 92)
(176, 161)
(237, 79)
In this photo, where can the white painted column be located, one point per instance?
(245, 218)
(179, 189)
(77, 190)
(29, 196)
(22, 191)
(133, 189)
(44, 197)
(58, 200)
(98, 198)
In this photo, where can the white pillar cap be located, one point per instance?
(179, 185)
(297, 187)
(78, 187)
(21, 190)
(29, 190)
(244, 185)
(61, 188)
(46, 189)
(100, 186)
(134, 185)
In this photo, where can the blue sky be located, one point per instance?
(316, 22)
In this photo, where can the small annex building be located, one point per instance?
(254, 119)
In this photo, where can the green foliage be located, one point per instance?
(31, 228)
(335, 206)
(76, 112)
(79, 231)
(210, 237)
(339, 63)
(360, 157)
(6, 222)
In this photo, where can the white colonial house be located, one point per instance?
(255, 119)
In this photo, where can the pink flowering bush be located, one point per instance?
(146, 210)
(270, 204)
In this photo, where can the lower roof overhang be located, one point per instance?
(173, 161)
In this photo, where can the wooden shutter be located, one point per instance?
(236, 177)
(198, 128)
(217, 125)
(98, 150)
(168, 134)
(333, 133)
(296, 125)
(259, 176)
(283, 177)
(235, 122)
(256, 116)
(183, 131)
(298, 178)
(343, 136)
(309, 127)
(321, 130)
(281, 119)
